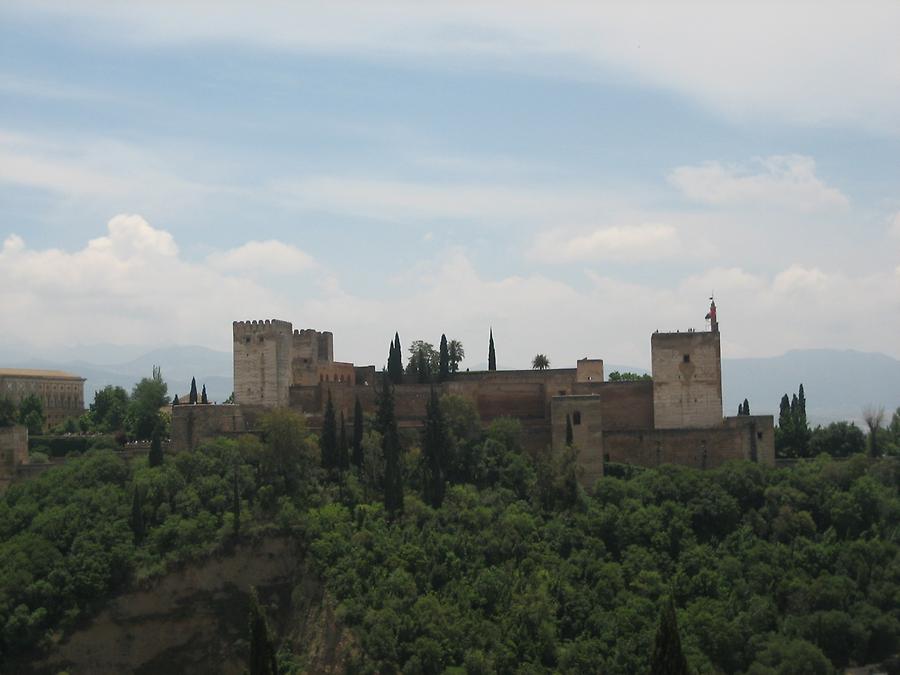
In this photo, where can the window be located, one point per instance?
(686, 358)
(759, 435)
(576, 417)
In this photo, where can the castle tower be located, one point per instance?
(262, 362)
(687, 378)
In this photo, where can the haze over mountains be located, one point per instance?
(837, 383)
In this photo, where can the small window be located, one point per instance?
(686, 358)
(759, 435)
(576, 417)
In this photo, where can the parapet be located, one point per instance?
(261, 327)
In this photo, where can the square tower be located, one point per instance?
(687, 380)
(262, 362)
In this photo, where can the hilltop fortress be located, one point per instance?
(674, 418)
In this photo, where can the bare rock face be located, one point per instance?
(194, 620)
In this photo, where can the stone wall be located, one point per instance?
(262, 362)
(193, 424)
(687, 380)
(626, 405)
(586, 415)
(61, 394)
(589, 370)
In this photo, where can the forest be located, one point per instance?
(489, 559)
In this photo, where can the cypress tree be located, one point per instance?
(262, 652)
(343, 447)
(193, 396)
(784, 414)
(668, 659)
(328, 439)
(746, 407)
(175, 400)
(236, 503)
(391, 451)
(395, 367)
(570, 436)
(492, 355)
(357, 434)
(155, 458)
(203, 399)
(435, 448)
(444, 362)
(137, 516)
(424, 367)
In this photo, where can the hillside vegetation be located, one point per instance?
(519, 570)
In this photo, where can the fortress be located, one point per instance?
(674, 418)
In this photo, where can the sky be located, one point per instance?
(573, 176)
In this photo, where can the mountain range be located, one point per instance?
(838, 384)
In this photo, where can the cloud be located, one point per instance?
(788, 181)
(894, 226)
(795, 62)
(262, 256)
(631, 242)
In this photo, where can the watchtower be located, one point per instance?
(687, 378)
(262, 362)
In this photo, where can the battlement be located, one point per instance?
(261, 327)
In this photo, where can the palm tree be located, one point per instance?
(540, 362)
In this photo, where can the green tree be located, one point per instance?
(192, 398)
(175, 400)
(540, 362)
(395, 361)
(873, 417)
(492, 354)
(424, 361)
(667, 657)
(8, 412)
(235, 502)
(435, 451)
(343, 458)
(456, 353)
(203, 399)
(391, 450)
(31, 414)
(155, 458)
(357, 433)
(138, 528)
(109, 408)
(147, 397)
(746, 410)
(328, 441)
(627, 376)
(838, 439)
(444, 360)
(262, 651)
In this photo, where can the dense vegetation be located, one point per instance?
(518, 569)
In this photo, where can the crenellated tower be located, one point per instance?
(262, 362)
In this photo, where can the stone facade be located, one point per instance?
(13, 453)
(62, 394)
(675, 418)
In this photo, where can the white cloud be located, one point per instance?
(781, 180)
(262, 256)
(800, 62)
(894, 225)
(630, 242)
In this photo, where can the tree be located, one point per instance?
(235, 502)
(391, 450)
(175, 400)
(138, 528)
(262, 652)
(155, 458)
(540, 362)
(192, 398)
(203, 399)
(7, 412)
(456, 353)
(424, 361)
(838, 439)
(873, 418)
(745, 410)
(444, 361)
(492, 354)
(667, 658)
(570, 436)
(343, 458)
(147, 397)
(109, 408)
(328, 440)
(435, 451)
(357, 434)
(31, 414)
(627, 376)
(395, 361)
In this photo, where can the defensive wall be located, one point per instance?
(676, 417)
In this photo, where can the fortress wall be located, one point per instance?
(589, 370)
(758, 437)
(699, 448)
(193, 424)
(687, 380)
(586, 416)
(336, 372)
(13, 452)
(626, 405)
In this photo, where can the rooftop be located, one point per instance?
(33, 372)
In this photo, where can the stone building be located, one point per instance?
(13, 453)
(674, 418)
(62, 394)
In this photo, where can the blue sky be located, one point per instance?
(575, 176)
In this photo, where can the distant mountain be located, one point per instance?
(837, 383)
